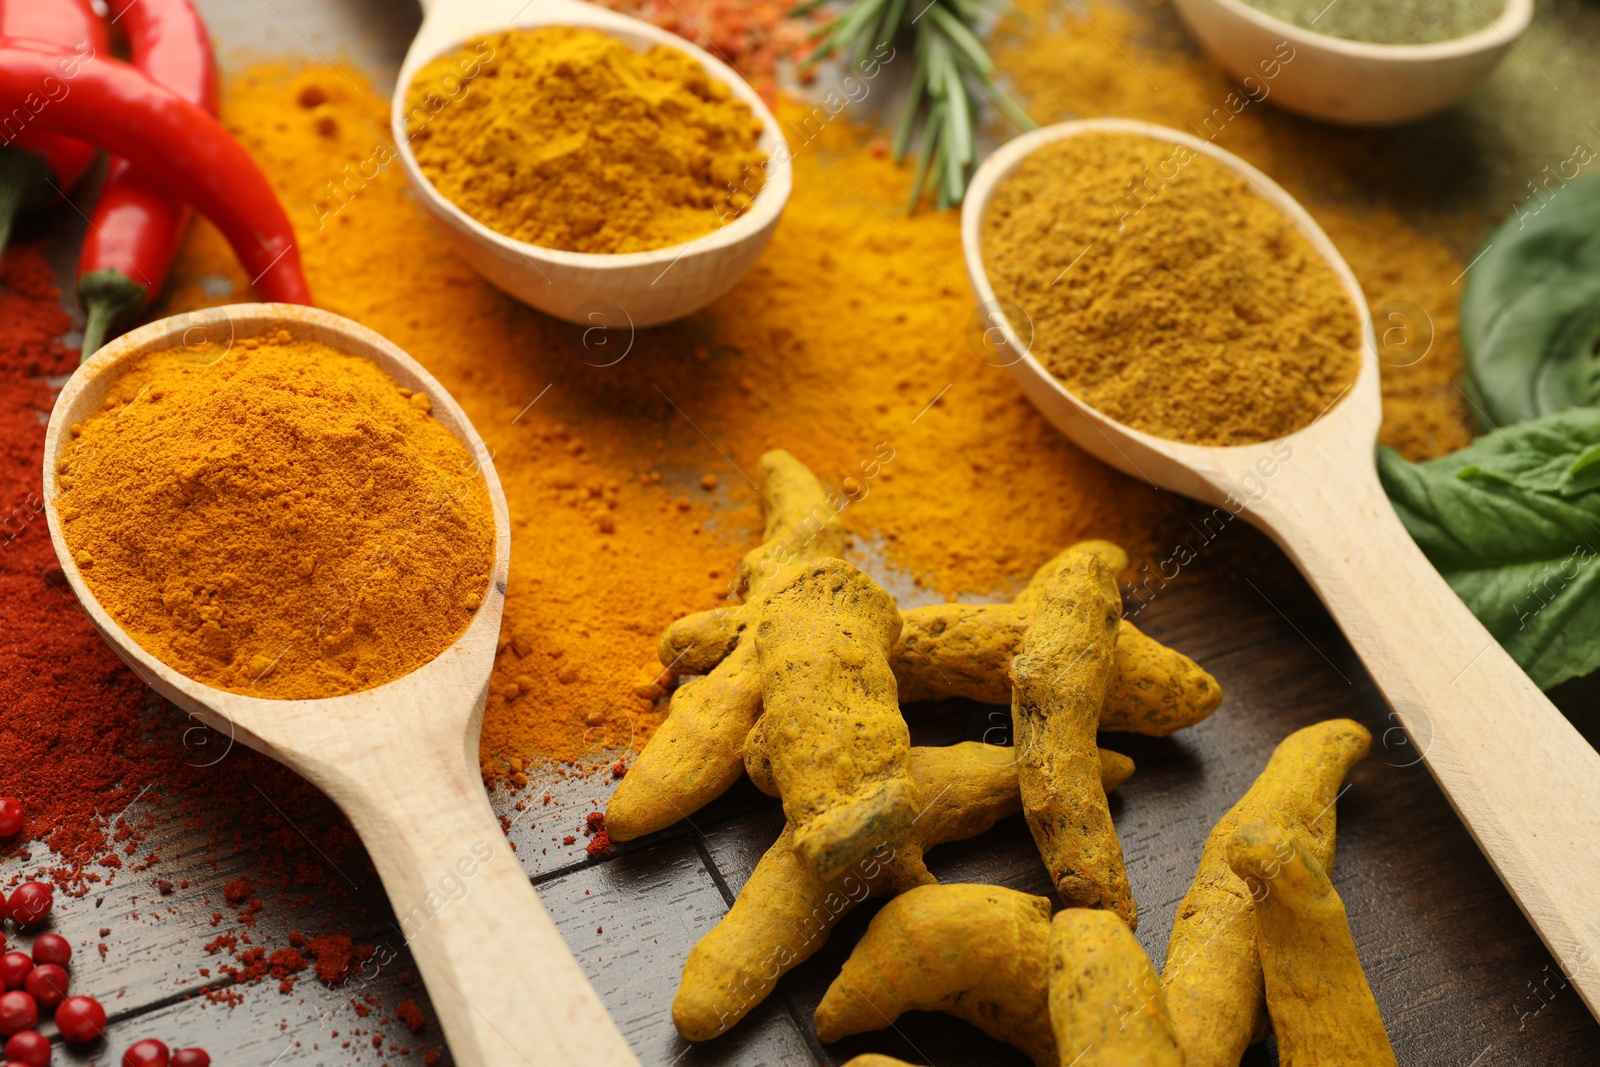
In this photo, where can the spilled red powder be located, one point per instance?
(60, 766)
(408, 1013)
(283, 965)
(335, 954)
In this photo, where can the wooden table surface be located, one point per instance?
(1459, 975)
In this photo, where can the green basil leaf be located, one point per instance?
(1530, 315)
(1512, 521)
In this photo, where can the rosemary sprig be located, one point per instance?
(953, 71)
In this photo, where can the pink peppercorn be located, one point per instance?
(30, 903)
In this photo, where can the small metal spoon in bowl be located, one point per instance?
(614, 291)
(1522, 779)
(400, 759)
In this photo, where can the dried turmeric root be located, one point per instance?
(1115, 768)
(697, 752)
(948, 650)
(1060, 679)
(838, 746)
(799, 524)
(1155, 690)
(965, 650)
(978, 952)
(873, 1059)
(1106, 1004)
(785, 913)
(1213, 970)
(1321, 1006)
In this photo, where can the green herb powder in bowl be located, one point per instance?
(1386, 21)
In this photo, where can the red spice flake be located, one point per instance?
(595, 821)
(600, 846)
(411, 1015)
(164, 886)
(286, 962)
(751, 37)
(618, 769)
(222, 942)
(569, 839)
(431, 1057)
(238, 891)
(335, 954)
(360, 1008)
(105, 931)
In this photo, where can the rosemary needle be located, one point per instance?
(953, 71)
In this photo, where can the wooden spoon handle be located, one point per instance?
(1522, 779)
(505, 985)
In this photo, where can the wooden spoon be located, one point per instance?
(401, 760)
(1522, 779)
(618, 291)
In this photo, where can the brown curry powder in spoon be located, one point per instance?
(1166, 292)
(276, 518)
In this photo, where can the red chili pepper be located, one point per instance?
(114, 107)
(136, 227)
(42, 163)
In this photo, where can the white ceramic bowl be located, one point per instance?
(1349, 82)
(618, 291)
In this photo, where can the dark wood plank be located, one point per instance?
(631, 922)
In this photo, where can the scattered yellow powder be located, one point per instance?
(276, 518)
(567, 138)
(1166, 292)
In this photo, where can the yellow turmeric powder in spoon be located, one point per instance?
(1167, 293)
(276, 518)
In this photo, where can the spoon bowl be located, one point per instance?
(617, 291)
(1522, 779)
(400, 759)
(1354, 83)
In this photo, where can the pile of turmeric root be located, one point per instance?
(800, 687)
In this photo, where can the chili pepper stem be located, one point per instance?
(106, 296)
(24, 182)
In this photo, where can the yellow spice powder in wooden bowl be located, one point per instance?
(1166, 292)
(567, 138)
(276, 518)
